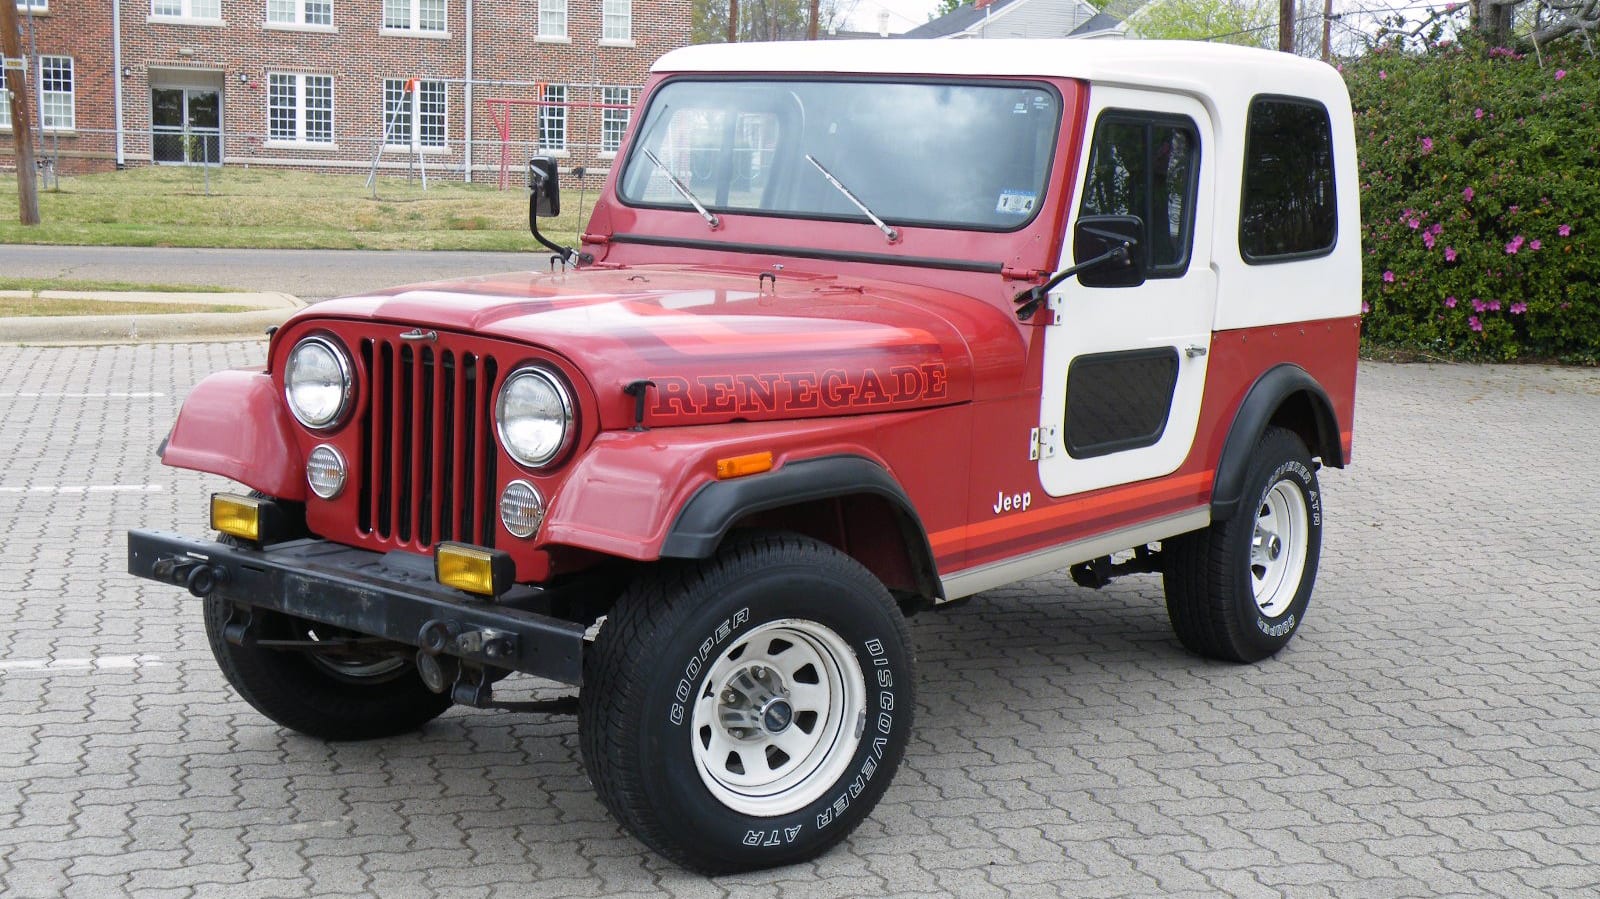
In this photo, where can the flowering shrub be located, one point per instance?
(1480, 201)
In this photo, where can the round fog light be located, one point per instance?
(325, 472)
(521, 508)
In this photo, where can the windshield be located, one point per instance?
(923, 153)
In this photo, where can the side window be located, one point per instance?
(1288, 209)
(1147, 165)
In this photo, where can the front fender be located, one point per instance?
(235, 424)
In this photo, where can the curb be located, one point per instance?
(266, 310)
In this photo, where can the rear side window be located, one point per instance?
(1147, 165)
(1288, 209)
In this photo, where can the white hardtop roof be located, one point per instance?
(1172, 64)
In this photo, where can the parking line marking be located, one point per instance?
(90, 663)
(110, 394)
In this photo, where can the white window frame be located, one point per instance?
(5, 97)
(33, 5)
(553, 110)
(553, 15)
(163, 11)
(615, 95)
(48, 120)
(302, 111)
(299, 17)
(616, 23)
(412, 141)
(413, 18)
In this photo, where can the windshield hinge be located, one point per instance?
(1041, 444)
(1022, 274)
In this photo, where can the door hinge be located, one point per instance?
(1041, 444)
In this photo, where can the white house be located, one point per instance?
(1022, 19)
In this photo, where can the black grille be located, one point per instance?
(427, 447)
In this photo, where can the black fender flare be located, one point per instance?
(1261, 403)
(705, 519)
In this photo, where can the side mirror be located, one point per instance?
(1099, 235)
(544, 188)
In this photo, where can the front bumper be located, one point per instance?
(389, 595)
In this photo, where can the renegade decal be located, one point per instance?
(797, 391)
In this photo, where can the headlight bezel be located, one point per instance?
(557, 384)
(347, 378)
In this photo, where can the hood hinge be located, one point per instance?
(1022, 274)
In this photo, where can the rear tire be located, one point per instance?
(1238, 590)
(749, 710)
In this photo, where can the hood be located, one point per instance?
(719, 345)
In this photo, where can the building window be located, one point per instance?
(55, 86)
(33, 6)
(553, 18)
(413, 113)
(5, 98)
(187, 9)
(618, 21)
(1288, 208)
(414, 15)
(553, 118)
(617, 108)
(300, 108)
(300, 12)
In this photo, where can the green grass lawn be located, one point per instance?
(167, 206)
(36, 308)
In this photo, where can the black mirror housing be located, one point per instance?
(544, 186)
(1097, 235)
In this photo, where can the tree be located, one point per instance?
(765, 20)
(1248, 23)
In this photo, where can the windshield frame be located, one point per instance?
(1048, 165)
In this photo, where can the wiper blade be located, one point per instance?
(888, 232)
(708, 215)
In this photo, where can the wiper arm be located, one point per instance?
(888, 232)
(708, 215)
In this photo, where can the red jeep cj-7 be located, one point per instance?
(856, 329)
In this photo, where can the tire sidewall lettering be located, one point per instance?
(1278, 630)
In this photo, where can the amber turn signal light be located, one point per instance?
(237, 516)
(473, 569)
(739, 466)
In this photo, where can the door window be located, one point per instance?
(1147, 165)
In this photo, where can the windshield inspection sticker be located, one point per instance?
(1016, 202)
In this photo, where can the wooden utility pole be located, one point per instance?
(733, 21)
(1286, 25)
(21, 133)
(811, 30)
(1327, 31)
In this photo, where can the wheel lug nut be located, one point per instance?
(730, 697)
(759, 672)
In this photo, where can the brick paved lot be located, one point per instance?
(1432, 730)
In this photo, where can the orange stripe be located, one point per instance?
(1040, 520)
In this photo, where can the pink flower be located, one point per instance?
(1449, 302)
(1413, 224)
(1382, 75)
(1427, 145)
(1478, 305)
(1474, 324)
(1427, 239)
(1494, 305)
(1518, 308)
(1450, 254)
(1366, 306)
(1436, 230)
(1468, 194)
(1478, 113)
(1388, 277)
(1514, 209)
(1534, 245)
(1564, 230)
(1515, 245)
(1560, 74)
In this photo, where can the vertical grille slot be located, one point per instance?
(428, 459)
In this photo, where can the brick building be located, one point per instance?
(322, 83)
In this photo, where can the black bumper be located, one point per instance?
(389, 595)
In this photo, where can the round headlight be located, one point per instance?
(317, 383)
(534, 416)
(325, 472)
(521, 509)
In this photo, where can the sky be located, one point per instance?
(903, 14)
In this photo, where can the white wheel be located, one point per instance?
(1278, 548)
(778, 718)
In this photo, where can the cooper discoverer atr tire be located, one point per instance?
(348, 698)
(1238, 590)
(749, 710)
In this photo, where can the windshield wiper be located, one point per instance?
(888, 232)
(708, 215)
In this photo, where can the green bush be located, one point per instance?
(1480, 201)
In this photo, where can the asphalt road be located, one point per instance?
(308, 274)
(1432, 730)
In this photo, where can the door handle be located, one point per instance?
(1193, 350)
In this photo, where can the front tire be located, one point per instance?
(1238, 590)
(748, 711)
(360, 697)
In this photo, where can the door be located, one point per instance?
(186, 125)
(1124, 367)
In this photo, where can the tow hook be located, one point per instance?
(196, 575)
(468, 684)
